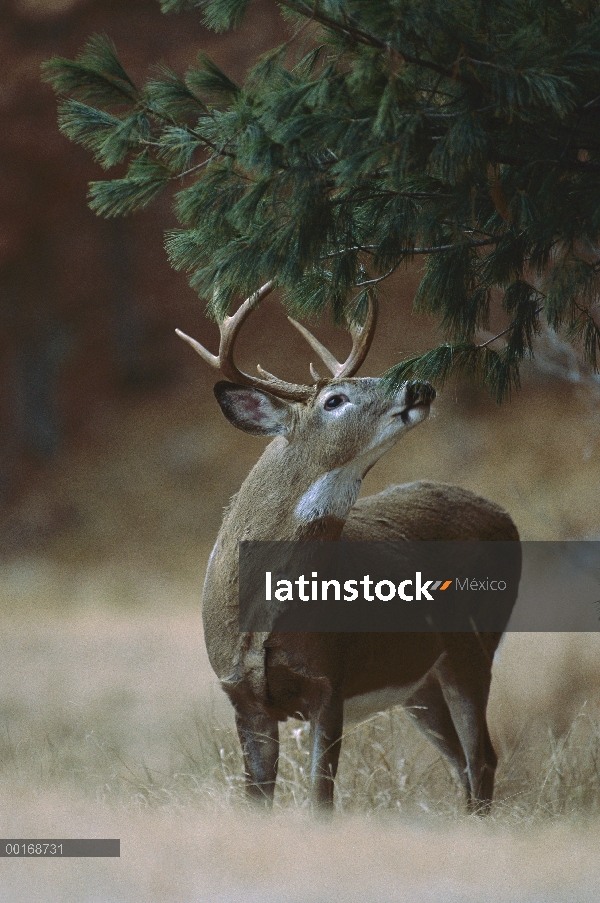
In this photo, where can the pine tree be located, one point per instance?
(464, 130)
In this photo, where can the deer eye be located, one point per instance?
(334, 401)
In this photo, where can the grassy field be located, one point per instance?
(112, 725)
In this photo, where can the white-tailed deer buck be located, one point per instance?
(305, 487)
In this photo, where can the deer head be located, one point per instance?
(332, 432)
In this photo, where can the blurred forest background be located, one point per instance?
(90, 368)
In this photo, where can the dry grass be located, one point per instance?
(111, 725)
(125, 710)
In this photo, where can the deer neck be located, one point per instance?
(282, 499)
(286, 498)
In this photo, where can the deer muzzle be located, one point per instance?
(418, 392)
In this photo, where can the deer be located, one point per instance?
(305, 487)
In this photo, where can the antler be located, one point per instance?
(362, 336)
(230, 327)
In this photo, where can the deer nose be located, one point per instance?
(419, 392)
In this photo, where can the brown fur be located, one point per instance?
(444, 679)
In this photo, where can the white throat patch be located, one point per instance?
(333, 495)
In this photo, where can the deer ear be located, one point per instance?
(253, 410)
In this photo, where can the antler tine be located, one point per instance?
(229, 329)
(362, 336)
(326, 356)
(211, 359)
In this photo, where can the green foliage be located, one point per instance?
(96, 76)
(464, 130)
(172, 98)
(209, 79)
(145, 180)
(108, 137)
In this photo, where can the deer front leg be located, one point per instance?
(259, 739)
(326, 741)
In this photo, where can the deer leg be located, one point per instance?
(430, 713)
(465, 686)
(259, 739)
(326, 741)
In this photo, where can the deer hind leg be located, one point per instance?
(259, 739)
(465, 686)
(430, 713)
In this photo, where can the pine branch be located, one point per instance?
(407, 252)
(508, 329)
(419, 129)
(96, 76)
(349, 29)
